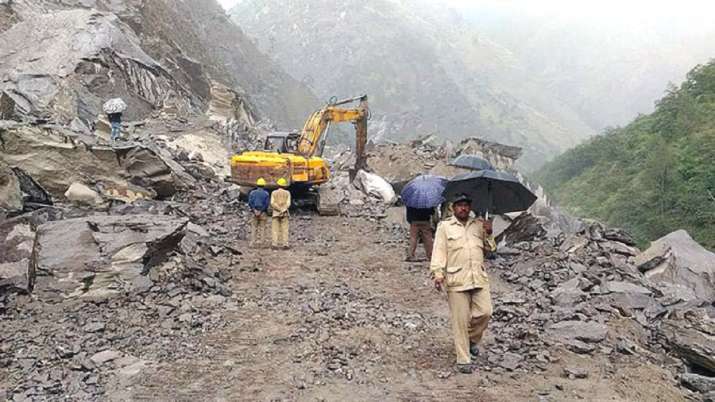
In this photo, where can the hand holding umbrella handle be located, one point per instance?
(488, 227)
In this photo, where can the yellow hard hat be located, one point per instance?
(282, 182)
(260, 182)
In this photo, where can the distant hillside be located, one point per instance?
(607, 69)
(653, 176)
(424, 69)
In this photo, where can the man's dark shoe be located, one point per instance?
(473, 350)
(464, 368)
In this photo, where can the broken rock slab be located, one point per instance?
(10, 192)
(56, 160)
(17, 269)
(678, 259)
(695, 347)
(109, 254)
(525, 227)
(585, 331)
(699, 383)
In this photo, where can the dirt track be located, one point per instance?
(342, 317)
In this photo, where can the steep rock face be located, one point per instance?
(423, 75)
(157, 55)
(208, 37)
(64, 64)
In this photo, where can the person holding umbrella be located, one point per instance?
(420, 196)
(458, 255)
(114, 109)
(458, 265)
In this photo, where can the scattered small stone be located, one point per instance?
(105, 356)
(573, 372)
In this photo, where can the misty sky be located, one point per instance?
(697, 11)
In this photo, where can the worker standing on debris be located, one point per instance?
(280, 203)
(115, 119)
(258, 201)
(420, 227)
(458, 264)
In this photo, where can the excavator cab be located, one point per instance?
(281, 142)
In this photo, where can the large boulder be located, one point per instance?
(375, 186)
(56, 159)
(109, 254)
(694, 343)
(82, 194)
(678, 259)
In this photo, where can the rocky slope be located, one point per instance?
(134, 49)
(424, 73)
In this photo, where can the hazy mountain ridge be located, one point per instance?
(607, 70)
(423, 73)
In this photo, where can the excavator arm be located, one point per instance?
(316, 126)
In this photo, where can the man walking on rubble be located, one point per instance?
(280, 203)
(258, 200)
(458, 264)
(420, 227)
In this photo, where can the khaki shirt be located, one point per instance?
(458, 255)
(280, 202)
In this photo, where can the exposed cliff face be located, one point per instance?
(63, 65)
(183, 35)
(158, 55)
(425, 71)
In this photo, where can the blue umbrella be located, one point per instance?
(424, 191)
(472, 162)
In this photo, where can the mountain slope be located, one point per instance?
(652, 176)
(195, 43)
(583, 59)
(424, 73)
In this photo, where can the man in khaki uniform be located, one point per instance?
(280, 203)
(458, 264)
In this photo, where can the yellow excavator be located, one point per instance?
(297, 156)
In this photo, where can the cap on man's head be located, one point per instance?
(462, 198)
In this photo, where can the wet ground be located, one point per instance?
(341, 316)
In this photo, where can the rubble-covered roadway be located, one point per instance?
(163, 300)
(125, 272)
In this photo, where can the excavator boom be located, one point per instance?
(317, 124)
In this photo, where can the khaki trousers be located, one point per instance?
(259, 229)
(280, 231)
(423, 230)
(470, 312)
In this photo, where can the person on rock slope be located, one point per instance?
(280, 203)
(115, 120)
(258, 200)
(458, 264)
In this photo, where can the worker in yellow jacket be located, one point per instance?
(280, 203)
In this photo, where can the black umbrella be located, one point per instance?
(491, 191)
(472, 162)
